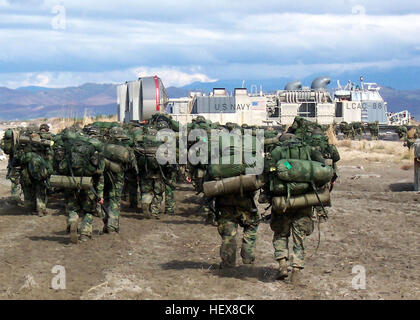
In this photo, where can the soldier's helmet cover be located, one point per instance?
(287, 137)
(162, 125)
(118, 133)
(200, 119)
(44, 127)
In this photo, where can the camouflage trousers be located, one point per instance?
(152, 188)
(131, 189)
(229, 220)
(113, 185)
(34, 193)
(15, 188)
(299, 224)
(170, 184)
(374, 134)
(80, 204)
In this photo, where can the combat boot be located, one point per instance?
(73, 232)
(296, 278)
(146, 210)
(85, 238)
(282, 269)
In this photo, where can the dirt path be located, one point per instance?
(374, 223)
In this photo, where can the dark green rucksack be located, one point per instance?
(80, 158)
(37, 167)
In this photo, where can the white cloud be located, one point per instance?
(172, 76)
(169, 75)
(185, 42)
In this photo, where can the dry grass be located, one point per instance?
(62, 123)
(375, 151)
(332, 139)
(344, 144)
(408, 155)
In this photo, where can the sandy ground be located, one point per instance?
(374, 223)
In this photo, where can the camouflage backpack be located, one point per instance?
(80, 159)
(38, 168)
(8, 141)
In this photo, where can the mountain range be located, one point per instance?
(100, 99)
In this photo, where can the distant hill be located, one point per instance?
(399, 100)
(38, 102)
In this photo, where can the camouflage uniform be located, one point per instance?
(80, 203)
(83, 204)
(299, 224)
(411, 138)
(402, 132)
(170, 184)
(358, 129)
(33, 185)
(235, 210)
(347, 130)
(114, 180)
(8, 146)
(374, 130)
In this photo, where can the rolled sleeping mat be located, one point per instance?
(245, 183)
(271, 140)
(25, 139)
(68, 182)
(278, 187)
(301, 201)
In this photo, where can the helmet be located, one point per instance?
(287, 136)
(45, 127)
(200, 119)
(118, 133)
(162, 125)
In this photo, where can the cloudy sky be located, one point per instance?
(62, 43)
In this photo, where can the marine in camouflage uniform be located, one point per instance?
(411, 138)
(8, 146)
(402, 132)
(358, 129)
(319, 141)
(235, 211)
(374, 130)
(299, 224)
(34, 172)
(151, 181)
(347, 130)
(80, 203)
(114, 180)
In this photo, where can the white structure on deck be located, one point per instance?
(139, 100)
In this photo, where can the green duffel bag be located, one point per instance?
(116, 153)
(293, 170)
(279, 187)
(291, 151)
(105, 125)
(230, 169)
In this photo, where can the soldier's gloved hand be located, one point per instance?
(101, 201)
